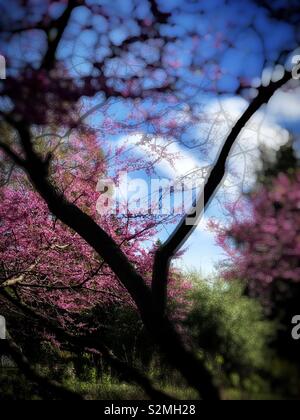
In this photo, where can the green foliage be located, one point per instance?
(123, 332)
(286, 161)
(14, 386)
(229, 330)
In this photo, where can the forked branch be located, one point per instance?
(183, 231)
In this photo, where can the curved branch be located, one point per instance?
(159, 16)
(130, 373)
(59, 27)
(183, 231)
(161, 328)
(47, 386)
(85, 226)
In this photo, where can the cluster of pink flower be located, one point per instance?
(265, 246)
(55, 269)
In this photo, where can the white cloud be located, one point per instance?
(285, 106)
(220, 117)
(180, 162)
(262, 130)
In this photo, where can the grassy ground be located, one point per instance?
(14, 386)
(122, 391)
(110, 388)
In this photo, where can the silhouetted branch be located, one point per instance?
(183, 231)
(46, 386)
(58, 30)
(129, 373)
(159, 16)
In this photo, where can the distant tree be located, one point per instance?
(264, 246)
(230, 331)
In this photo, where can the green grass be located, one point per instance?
(111, 389)
(14, 386)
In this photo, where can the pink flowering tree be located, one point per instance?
(143, 56)
(268, 259)
(272, 250)
(54, 270)
(49, 264)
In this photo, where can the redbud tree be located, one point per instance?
(272, 250)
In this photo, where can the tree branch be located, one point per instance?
(85, 226)
(47, 386)
(183, 231)
(161, 329)
(159, 16)
(130, 373)
(12, 155)
(17, 279)
(55, 34)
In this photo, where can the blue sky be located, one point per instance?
(282, 113)
(237, 37)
